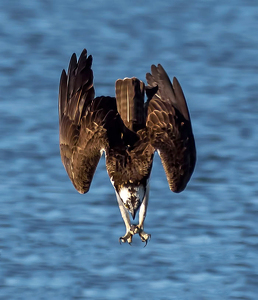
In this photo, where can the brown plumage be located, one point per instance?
(129, 130)
(170, 129)
(83, 123)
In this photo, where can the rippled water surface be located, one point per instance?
(58, 244)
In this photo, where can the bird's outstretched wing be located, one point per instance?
(84, 122)
(169, 128)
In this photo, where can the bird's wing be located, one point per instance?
(170, 131)
(84, 122)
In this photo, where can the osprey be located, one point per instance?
(129, 131)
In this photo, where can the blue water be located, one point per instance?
(58, 244)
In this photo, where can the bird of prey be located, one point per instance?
(129, 130)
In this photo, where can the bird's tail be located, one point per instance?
(130, 102)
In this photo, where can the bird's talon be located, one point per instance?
(126, 238)
(134, 229)
(145, 237)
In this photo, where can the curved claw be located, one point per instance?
(145, 237)
(122, 240)
(126, 238)
(146, 241)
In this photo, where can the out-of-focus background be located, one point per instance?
(58, 244)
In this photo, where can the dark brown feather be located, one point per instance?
(130, 166)
(128, 130)
(169, 129)
(130, 102)
(166, 91)
(84, 122)
(130, 162)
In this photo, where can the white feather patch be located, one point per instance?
(125, 193)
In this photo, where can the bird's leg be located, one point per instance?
(132, 229)
(145, 237)
(125, 215)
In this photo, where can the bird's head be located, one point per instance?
(132, 197)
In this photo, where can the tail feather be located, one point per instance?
(130, 102)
